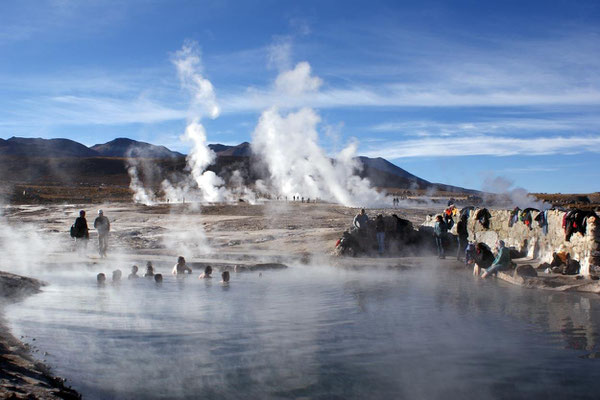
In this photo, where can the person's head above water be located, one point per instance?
(134, 269)
(158, 278)
(101, 278)
(208, 270)
(180, 260)
(225, 276)
(116, 275)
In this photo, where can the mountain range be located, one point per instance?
(35, 159)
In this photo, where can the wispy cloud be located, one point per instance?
(484, 146)
(513, 126)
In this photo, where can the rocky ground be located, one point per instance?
(21, 376)
(223, 234)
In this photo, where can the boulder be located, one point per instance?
(525, 271)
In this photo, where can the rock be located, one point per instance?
(543, 266)
(525, 271)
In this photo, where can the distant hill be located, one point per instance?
(38, 147)
(241, 150)
(63, 160)
(123, 147)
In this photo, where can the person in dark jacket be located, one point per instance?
(462, 237)
(483, 258)
(80, 231)
(380, 233)
(102, 225)
(439, 230)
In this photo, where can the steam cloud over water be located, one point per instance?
(287, 143)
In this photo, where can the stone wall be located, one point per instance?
(532, 242)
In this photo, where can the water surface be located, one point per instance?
(312, 332)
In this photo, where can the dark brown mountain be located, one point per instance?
(66, 162)
(123, 147)
(38, 147)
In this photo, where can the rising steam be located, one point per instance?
(287, 143)
(298, 166)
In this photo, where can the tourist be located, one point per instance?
(482, 258)
(225, 277)
(79, 231)
(180, 268)
(149, 270)
(102, 225)
(207, 272)
(116, 275)
(361, 221)
(133, 274)
(439, 230)
(380, 233)
(462, 237)
(101, 278)
(501, 262)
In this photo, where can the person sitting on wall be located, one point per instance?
(180, 268)
(482, 258)
(501, 262)
(207, 273)
(563, 263)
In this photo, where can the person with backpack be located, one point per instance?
(439, 230)
(79, 231)
(102, 225)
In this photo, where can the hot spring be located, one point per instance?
(314, 332)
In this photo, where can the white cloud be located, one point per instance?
(495, 126)
(298, 80)
(484, 146)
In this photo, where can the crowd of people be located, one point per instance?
(478, 254)
(80, 233)
(179, 269)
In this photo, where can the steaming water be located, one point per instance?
(315, 333)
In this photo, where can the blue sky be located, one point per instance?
(457, 92)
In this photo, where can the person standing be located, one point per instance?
(361, 221)
(462, 237)
(102, 225)
(439, 230)
(380, 233)
(80, 232)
